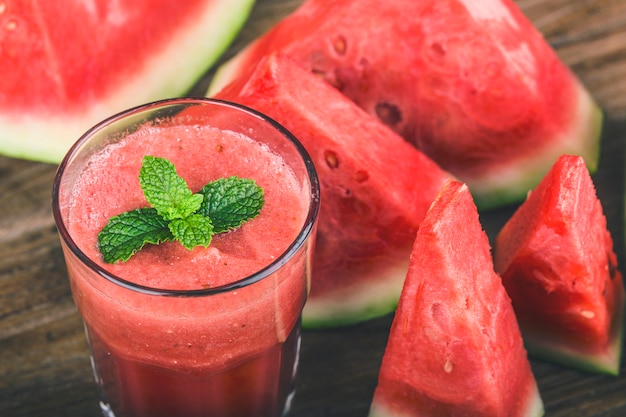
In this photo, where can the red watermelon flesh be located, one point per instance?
(454, 348)
(67, 65)
(557, 263)
(471, 83)
(375, 190)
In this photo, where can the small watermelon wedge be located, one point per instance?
(454, 348)
(471, 83)
(375, 190)
(557, 263)
(65, 68)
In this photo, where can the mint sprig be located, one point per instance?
(176, 213)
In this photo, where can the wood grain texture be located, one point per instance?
(44, 363)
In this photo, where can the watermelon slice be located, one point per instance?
(454, 348)
(557, 263)
(375, 190)
(471, 83)
(66, 68)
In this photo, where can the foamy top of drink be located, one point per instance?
(109, 186)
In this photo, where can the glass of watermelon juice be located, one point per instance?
(208, 331)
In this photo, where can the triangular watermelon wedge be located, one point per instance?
(67, 65)
(557, 263)
(375, 190)
(469, 82)
(454, 348)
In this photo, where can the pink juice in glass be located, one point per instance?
(204, 332)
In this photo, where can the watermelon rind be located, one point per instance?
(227, 71)
(356, 305)
(171, 72)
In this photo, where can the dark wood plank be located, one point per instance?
(44, 363)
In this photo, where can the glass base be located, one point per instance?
(263, 386)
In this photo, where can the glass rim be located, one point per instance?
(302, 237)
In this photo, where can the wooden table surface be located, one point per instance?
(44, 362)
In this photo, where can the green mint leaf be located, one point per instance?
(229, 202)
(192, 231)
(165, 190)
(177, 213)
(126, 234)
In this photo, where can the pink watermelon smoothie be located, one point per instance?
(111, 182)
(231, 353)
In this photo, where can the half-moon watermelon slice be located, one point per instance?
(471, 83)
(557, 263)
(454, 348)
(375, 190)
(67, 65)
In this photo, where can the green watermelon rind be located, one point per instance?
(379, 409)
(563, 354)
(47, 137)
(227, 71)
(511, 184)
(356, 305)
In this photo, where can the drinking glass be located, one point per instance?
(228, 351)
